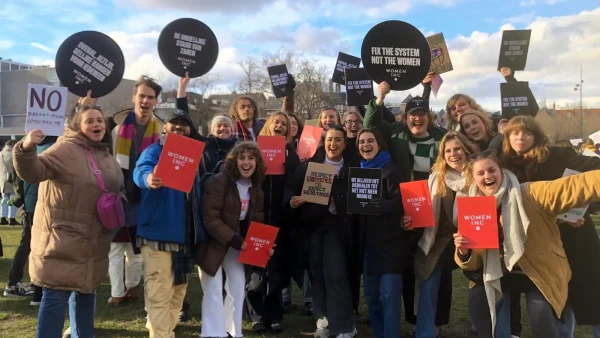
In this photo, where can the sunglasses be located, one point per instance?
(484, 154)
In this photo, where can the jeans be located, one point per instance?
(7, 210)
(480, 313)
(428, 301)
(383, 295)
(596, 331)
(304, 284)
(21, 256)
(566, 329)
(52, 313)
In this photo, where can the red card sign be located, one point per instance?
(179, 162)
(309, 142)
(478, 222)
(417, 203)
(273, 152)
(260, 239)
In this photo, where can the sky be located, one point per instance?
(565, 36)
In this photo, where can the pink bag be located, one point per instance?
(110, 206)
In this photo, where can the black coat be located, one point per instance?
(581, 245)
(273, 188)
(215, 150)
(382, 237)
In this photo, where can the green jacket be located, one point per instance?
(396, 134)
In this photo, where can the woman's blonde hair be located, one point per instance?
(337, 113)
(485, 118)
(482, 156)
(266, 131)
(451, 123)
(440, 167)
(539, 151)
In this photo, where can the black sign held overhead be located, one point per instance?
(517, 99)
(364, 185)
(279, 80)
(359, 87)
(90, 60)
(344, 61)
(396, 52)
(514, 48)
(188, 45)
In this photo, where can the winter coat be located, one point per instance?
(221, 208)
(545, 261)
(69, 245)
(273, 188)
(6, 169)
(581, 245)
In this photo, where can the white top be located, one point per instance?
(338, 166)
(243, 185)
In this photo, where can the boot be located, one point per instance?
(13, 222)
(116, 301)
(3, 221)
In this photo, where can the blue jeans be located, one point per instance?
(51, 316)
(383, 295)
(566, 329)
(596, 330)
(428, 297)
(480, 313)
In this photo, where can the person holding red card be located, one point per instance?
(264, 305)
(332, 254)
(528, 154)
(385, 244)
(169, 227)
(531, 255)
(231, 200)
(436, 249)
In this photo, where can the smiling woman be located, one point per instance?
(477, 126)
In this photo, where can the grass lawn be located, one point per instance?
(18, 319)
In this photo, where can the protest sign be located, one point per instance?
(178, 162)
(478, 222)
(587, 152)
(440, 58)
(46, 108)
(364, 185)
(279, 81)
(317, 183)
(514, 48)
(90, 60)
(516, 99)
(259, 240)
(417, 203)
(436, 83)
(359, 87)
(188, 45)
(344, 61)
(273, 152)
(396, 52)
(595, 137)
(309, 141)
(572, 215)
(576, 141)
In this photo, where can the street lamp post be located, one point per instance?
(579, 87)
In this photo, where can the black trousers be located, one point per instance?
(263, 290)
(332, 295)
(22, 255)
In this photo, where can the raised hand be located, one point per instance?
(87, 101)
(32, 139)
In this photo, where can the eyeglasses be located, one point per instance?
(352, 122)
(481, 155)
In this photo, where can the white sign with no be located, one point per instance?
(46, 108)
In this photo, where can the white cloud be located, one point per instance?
(43, 47)
(6, 44)
(529, 3)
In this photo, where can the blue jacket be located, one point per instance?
(162, 211)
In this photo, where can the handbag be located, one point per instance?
(110, 206)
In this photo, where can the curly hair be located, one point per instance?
(266, 130)
(230, 166)
(451, 123)
(440, 167)
(233, 109)
(538, 153)
(485, 118)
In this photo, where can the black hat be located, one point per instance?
(415, 104)
(178, 114)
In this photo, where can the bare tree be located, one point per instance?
(203, 108)
(311, 88)
(254, 76)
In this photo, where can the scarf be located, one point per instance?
(454, 181)
(514, 228)
(523, 167)
(378, 161)
(125, 138)
(242, 133)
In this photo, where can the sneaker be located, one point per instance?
(13, 222)
(67, 333)
(184, 316)
(308, 309)
(347, 334)
(116, 301)
(258, 327)
(3, 221)
(322, 333)
(34, 303)
(17, 291)
(277, 327)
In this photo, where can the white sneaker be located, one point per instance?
(347, 334)
(322, 333)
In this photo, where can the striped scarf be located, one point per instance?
(125, 138)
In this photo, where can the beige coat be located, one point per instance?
(69, 246)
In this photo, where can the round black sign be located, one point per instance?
(90, 60)
(396, 52)
(188, 45)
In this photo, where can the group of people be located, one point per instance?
(325, 249)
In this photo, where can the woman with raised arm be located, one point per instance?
(531, 257)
